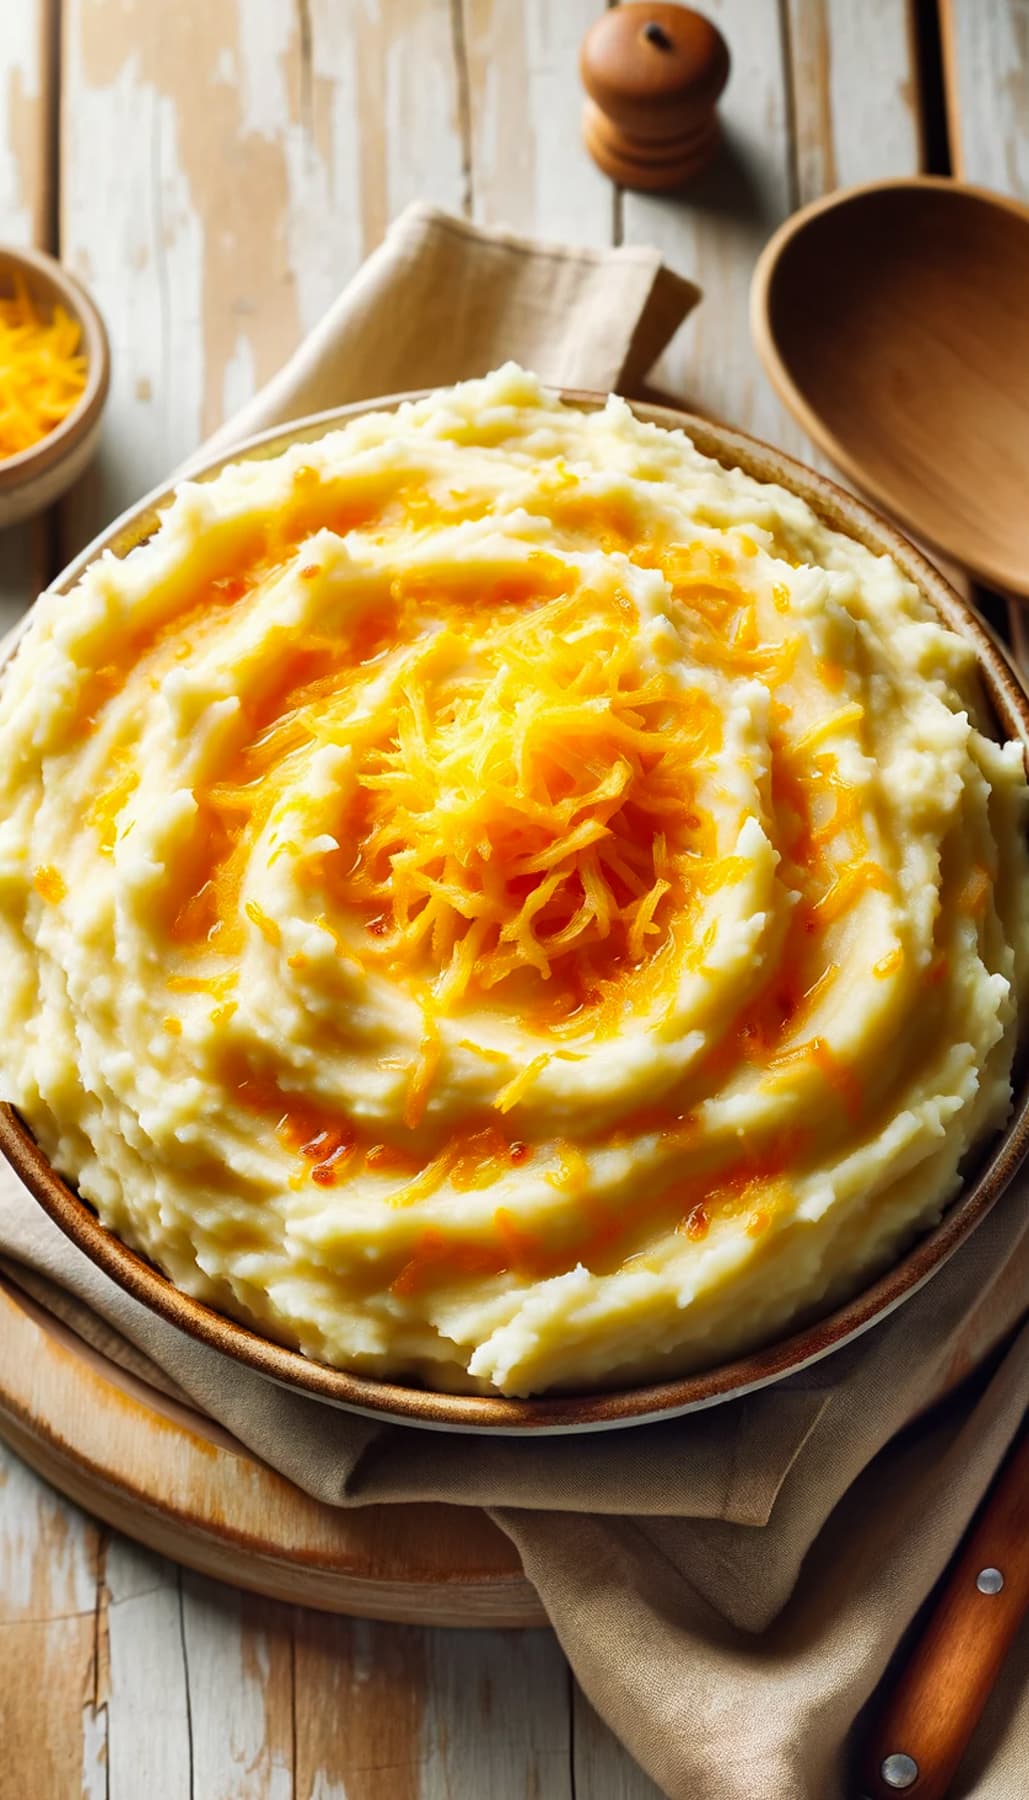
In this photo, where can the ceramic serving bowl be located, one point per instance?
(36, 477)
(984, 1184)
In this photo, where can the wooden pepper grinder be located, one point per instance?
(653, 75)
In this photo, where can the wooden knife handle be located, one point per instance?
(917, 1741)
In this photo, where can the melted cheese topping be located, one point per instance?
(492, 895)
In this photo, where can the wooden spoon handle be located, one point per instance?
(918, 1740)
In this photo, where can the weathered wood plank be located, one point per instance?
(496, 1717)
(529, 168)
(25, 74)
(239, 1655)
(986, 67)
(193, 1495)
(855, 103)
(360, 1701)
(270, 146)
(857, 112)
(986, 75)
(714, 231)
(52, 1718)
(25, 211)
(855, 96)
(149, 1737)
(846, 77)
(388, 1712)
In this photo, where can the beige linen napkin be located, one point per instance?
(730, 1586)
(442, 300)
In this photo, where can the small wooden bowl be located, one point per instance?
(36, 477)
(402, 1403)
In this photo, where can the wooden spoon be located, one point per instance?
(893, 320)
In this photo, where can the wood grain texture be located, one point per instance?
(986, 69)
(147, 1464)
(238, 1653)
(225, 168)
(527, 165)
(27, 178)
(854, 92)
(52, 1717)
(385, 1712)
(820, 92)
(51, 1720)
(854, 106)
(148, 1719)
(857, 115)
(921, 286)
(713, 232)
(986, 78)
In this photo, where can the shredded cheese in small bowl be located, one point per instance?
(54, 374)
(42, 368)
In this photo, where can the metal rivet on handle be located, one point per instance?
(898, 1770)
(989, 1581)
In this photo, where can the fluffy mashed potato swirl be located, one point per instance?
(494, 897)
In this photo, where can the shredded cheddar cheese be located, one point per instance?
(532, 812)
(42, 370)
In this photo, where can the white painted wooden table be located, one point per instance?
(216, 170)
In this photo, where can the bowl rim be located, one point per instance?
(635, 1404)
(780, 373)
(25, 465)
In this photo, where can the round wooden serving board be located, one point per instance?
(166, 1475)
(161, 1472)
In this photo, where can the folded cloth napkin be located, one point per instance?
(729, 1587)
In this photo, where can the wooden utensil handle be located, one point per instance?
(918, 1740)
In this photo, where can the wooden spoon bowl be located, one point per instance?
(893, 320)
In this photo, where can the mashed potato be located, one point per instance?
(492, 896)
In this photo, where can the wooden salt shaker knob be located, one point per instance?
(653, 75)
